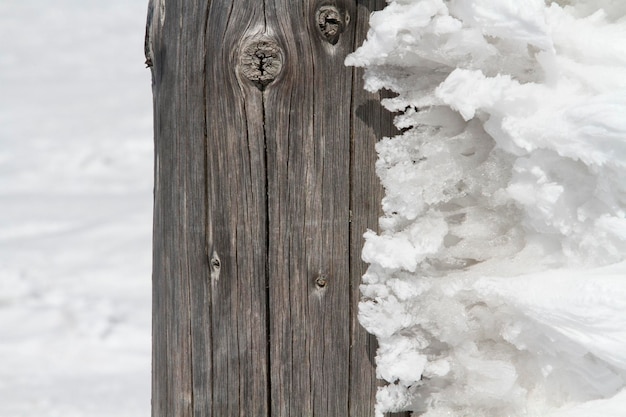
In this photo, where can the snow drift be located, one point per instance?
(497, 284)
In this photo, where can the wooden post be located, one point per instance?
(264, 185)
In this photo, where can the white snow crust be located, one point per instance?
(497, 284)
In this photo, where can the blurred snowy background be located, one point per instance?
(75, 209)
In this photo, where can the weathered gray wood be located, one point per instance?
(370, 122)
(308, 134)
(180, 209)
(237, 222)
(256, 263)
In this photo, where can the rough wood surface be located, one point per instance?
(264, 185)
(370, 122)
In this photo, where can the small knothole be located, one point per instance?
(321, 281)
(261, 62)
(216, 266)
(331, 23)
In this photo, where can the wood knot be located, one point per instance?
(331, 23)
(321, 281)
(261, 62)
(215, 266)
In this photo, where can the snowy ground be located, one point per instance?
(75, 209)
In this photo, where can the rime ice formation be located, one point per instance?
(497, 285)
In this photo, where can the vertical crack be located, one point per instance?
(187, 185)
(268, 327)
(267, 258)
(351, 269)
(209, 247)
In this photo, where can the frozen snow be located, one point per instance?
(75, 209)
(497, 284)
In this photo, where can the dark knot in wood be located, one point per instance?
(331, 23)
(321, 281)
(261, 62)
(216, 265)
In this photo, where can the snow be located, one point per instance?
(75, 209)
(497, 283)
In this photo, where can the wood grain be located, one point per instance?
(263, 188)
(370, 122)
